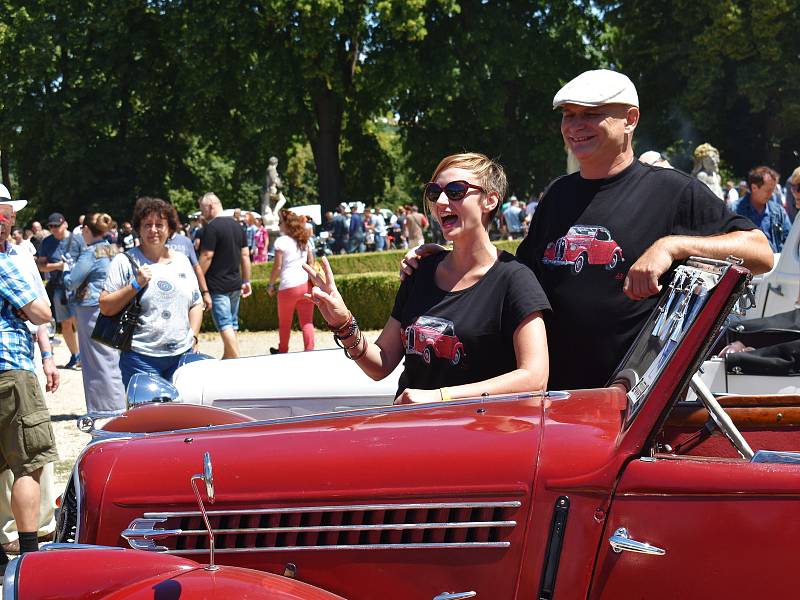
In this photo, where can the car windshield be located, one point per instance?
(665, 329)
(432, 323)
(581, 230)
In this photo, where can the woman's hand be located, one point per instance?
(144, 275)
(271, 289)
(325, 295)
(411, 396)
(410, 261)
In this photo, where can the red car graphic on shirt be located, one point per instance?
(431, 336)
(584, 244)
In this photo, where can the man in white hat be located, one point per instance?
(26, 264)
(655, 216)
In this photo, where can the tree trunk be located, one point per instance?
(5, 169)
(324, 139)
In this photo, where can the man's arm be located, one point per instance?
(37, 312)
(205, 261)
(751, 246)
(48, 363)
(246, 289)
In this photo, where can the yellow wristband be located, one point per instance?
(445, 393)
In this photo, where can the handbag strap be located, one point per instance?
(138, 297)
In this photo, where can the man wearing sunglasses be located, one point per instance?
(602, 239)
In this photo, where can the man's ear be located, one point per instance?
(631, 119)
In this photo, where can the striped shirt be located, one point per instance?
(16, 342)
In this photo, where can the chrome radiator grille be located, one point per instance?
(355, 527)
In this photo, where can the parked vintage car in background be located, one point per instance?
(584, 244)
(283, 385)
(621, 492)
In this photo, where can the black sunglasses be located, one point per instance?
(455, 190)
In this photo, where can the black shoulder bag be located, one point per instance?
(117, 331)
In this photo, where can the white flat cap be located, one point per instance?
(595, 88)
(5, 198)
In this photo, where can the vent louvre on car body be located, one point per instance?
(353, 527)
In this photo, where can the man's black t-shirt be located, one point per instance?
(584, 236)
(225, 238)
(453, 338)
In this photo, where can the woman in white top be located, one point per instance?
(293, 249)
(172, 308)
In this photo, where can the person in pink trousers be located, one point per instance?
(293, 249)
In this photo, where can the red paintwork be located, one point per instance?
(432, 336)
(593, 242)
(134, 575)
(533, 450)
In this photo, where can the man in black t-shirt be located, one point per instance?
(601, 239)
(225, 260)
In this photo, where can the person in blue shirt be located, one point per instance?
(22, 405)
(765, 212)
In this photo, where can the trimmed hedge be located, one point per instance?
(368, 283)
(368, 262)
(369, 295)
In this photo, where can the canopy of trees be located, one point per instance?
(102, 101)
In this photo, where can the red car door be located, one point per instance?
(728, 529)
(601, 248)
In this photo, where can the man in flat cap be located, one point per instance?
(655, 216)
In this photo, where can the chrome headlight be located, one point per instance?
(144, 388)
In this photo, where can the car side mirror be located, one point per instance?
(144, 388)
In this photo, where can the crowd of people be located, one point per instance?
(522, 324)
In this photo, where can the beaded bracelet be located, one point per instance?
(348, 330)
(339, 343)
(349, 325)
(362, 353)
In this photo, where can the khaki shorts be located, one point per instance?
(26, 435)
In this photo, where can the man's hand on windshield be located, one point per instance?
(410, 261)
(642, 279)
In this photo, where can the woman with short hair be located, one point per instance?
(172, 308)
(468, 322)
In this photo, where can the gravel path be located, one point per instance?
(67, 403)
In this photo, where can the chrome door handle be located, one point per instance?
(455, 595)
(622, 541)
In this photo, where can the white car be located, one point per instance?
(283, 385)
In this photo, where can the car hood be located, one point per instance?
(456, 450)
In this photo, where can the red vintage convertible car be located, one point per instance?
(584, 244)
(628, 491)
(432, 336)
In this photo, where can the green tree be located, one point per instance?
(721, 71)
(490, 72)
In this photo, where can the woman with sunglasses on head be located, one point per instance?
(172, 308)
(468, 321)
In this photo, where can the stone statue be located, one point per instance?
(706, 168)
(272, 199)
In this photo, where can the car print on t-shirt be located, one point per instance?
(584, 244)
(433, 336)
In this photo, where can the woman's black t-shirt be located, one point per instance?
(453, 338)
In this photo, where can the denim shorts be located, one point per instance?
(225, 310)
(62, 310)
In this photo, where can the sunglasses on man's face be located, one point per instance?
(455, 190)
